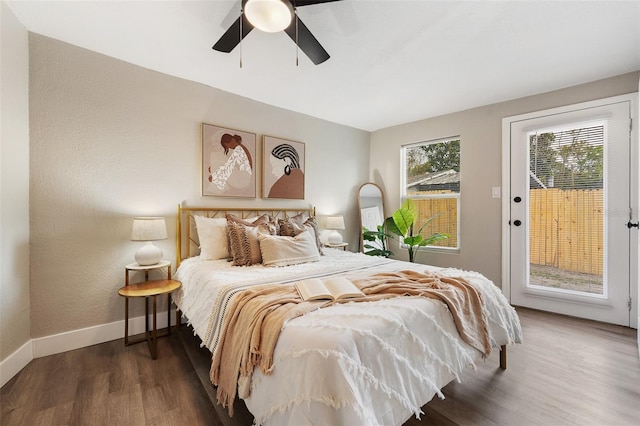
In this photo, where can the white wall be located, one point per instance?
(14, 193)
(480, 130)
(110, 140)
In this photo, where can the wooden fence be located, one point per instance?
(446, 221)
(566, 229)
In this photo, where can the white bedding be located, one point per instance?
(372, 363)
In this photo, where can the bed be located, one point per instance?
(374, 361)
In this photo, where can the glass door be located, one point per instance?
(569, 206)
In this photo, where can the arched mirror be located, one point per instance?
(371, 205)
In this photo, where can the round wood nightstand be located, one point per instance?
(148, 289)
(343, 246)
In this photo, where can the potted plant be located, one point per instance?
(401, 224)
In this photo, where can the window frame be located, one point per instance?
(403, 192)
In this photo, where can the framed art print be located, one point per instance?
(283, 169)
(228, 162)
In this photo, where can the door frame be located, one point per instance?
(634, 191)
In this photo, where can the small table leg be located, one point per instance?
(153, 346)
(146, 315)
(126, 321)
(169, 313)
(503, 357)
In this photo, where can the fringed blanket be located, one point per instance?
(463, 300)
(256, 316)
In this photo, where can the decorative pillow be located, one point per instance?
(292, 226)
(243, 240)
(311, 223)
(212, 235)
(282, 250)
(252, 221)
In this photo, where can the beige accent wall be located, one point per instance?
(480, 130)
(110, 141)
(14, 184)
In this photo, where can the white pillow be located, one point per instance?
(212, 234)
(280, 250)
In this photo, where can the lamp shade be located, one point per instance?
(335, 222)
(269, 15)
(148, 229)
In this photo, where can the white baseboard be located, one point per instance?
(70, 340)
(15, 362)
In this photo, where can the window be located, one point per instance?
(431, 178)
(567, 207)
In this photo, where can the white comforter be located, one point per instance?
(368, 364)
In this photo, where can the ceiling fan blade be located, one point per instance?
(307, 42)
(231, 38)
(299, 3)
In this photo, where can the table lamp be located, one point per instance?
(148, 229)
(334, 223)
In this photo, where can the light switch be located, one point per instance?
(495, 192)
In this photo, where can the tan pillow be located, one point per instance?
(292, 226)
(251, 222)
(311, 224)
(243, 241)
(280, 250)
(212, 235)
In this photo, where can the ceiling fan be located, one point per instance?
(274, 16)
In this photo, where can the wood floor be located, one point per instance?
(567, 372)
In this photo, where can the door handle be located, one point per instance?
(517, 199)
(517, 222)
(632, 225)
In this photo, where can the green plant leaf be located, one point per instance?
(428, 221)
(392, 227)
(436, 237)
(413, 240)
(403, 219)
(369, 236)
(378, 239)
(379, 252)
(410, 207)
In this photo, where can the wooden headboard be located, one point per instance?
(187, 244)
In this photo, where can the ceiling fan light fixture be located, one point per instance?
(269, 15)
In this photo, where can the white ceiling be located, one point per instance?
(391, 62)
